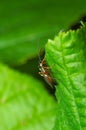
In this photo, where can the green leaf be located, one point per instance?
(25, 25)
(66, 55)
(24, 103)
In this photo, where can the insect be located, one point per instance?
(45, 72)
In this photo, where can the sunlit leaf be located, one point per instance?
(24, 103)
(67, 52)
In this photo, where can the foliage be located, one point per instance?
(67, 53)
(22, 104)
(25, 28)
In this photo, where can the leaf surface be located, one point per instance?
(24, 103)
(67, 53)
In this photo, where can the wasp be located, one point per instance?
(45, 72)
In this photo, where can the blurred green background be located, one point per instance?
(25, 27)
